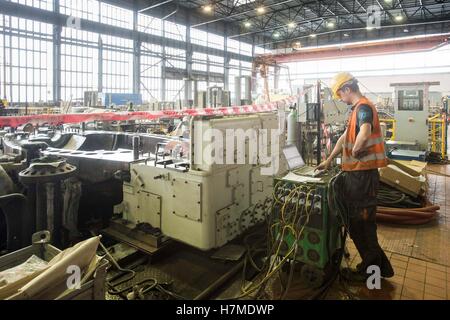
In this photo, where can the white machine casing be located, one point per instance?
(210, 204)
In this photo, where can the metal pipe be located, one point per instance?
(50, 192)
(40, 204)
(155, 6)
(209, 290)
(136, 145)
(30, 218)
(58, 214)
(319, 125)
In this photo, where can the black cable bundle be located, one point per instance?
(390, 197)
(435, 158)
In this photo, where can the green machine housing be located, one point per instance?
(320, 239)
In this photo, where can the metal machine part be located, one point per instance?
(243, 97)
(207, 204)
(43, 180)
(217, 97)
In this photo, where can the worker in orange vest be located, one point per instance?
(362, 148)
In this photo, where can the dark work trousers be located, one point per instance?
(360, 200)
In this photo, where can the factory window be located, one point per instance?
(148, 24)
(117, 65)
(232, 45)
(176, 58)
(216, 64)
(41, 4)
(116, 16)
(27, 60)
(86, 9)
(261, 50)
(239, 47)
(246, 49)
(199, 61)
(215, 41)
(174, 31)
(151, 61)
(199, 37)
(174, 90)
(246, 68)
(79, 63)
(202, 86)
(234, 72)
(207, 39)
(216, 84)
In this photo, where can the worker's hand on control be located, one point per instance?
(325, 165)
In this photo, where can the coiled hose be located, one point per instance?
(397, 207)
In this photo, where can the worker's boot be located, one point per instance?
(354, 275)
(386, 268)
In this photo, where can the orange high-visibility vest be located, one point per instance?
(375, 157)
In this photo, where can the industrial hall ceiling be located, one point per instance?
(287, 23)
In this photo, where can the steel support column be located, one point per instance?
(57, 29)
(136, 56)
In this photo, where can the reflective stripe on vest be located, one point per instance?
(370, 143)
(375, 156)
(370, 157)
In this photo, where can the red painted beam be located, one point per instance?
(57, 119)
(416, 44)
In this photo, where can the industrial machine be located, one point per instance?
(190, 195)
(202, 101)
(320, 122)
(120, 99)
(411, 104)
(243, 90)
(213, 97)
(302, 216)
(154, 186)
(217, 97)
(91, 99)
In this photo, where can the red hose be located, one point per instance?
(428, 208)
(409, 216)
(408, 213)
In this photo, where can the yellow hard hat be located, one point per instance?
(338, 81)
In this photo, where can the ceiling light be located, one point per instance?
(346, 35)
(399, 17)
(247, 24)
(330, 24)
(388, 1)
(369, 28)
(260, 10)
(405, 30)
(291, 25)
(276, 35)
(207, 8)
(312, 35)
(298, 44)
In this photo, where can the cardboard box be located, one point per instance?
(414, 167)
(399, 179)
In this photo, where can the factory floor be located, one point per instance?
(420, 255)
